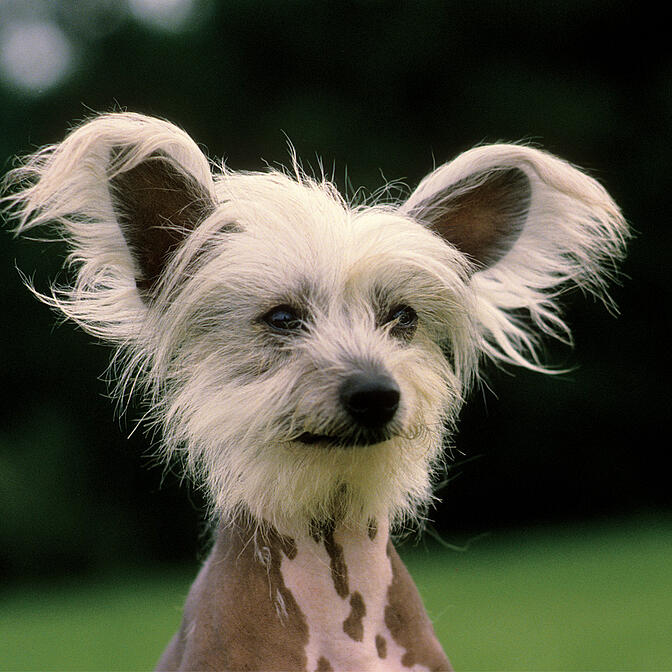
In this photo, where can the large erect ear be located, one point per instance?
(481, 214)
(157, 204)
(530, 223)
(123, 190)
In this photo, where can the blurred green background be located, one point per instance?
(568, 475)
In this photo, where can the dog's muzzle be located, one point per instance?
(371, 401)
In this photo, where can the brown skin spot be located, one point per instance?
(353, 625)
(408, 622)
(381, 646)
(318, 529)
(339, 570)
(373, 529)
(323, 665)
(232, 618)
(288, 545)
(323, 531)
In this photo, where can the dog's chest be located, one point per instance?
(343, 585)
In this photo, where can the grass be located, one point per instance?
(562, 599)
(567, 599)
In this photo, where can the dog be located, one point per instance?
(306, 358)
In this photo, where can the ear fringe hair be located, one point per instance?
(67, 185)
(574, 235)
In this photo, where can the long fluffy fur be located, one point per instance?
(229, 402)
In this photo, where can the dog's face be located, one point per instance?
(312, 378)
(305, 356)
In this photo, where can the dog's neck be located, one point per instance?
(339, 579)
(334, 598)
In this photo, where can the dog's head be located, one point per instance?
(307, 356)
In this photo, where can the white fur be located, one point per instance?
(229, 403)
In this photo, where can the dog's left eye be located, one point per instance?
(283, 319)
(404, 321)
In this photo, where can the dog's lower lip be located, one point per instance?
(310, 439)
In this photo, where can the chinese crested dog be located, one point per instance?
(306, 358)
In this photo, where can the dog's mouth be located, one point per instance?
(359, 439)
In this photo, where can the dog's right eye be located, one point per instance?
(284, 319)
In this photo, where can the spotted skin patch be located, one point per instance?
(323, 665)
(240, 614)
(381, 646)
(353, 625)
(372, 529)
(339, 570)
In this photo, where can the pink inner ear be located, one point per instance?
(157, 204)
(482, 215)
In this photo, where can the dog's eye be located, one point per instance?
(283, 319)
(404, 321)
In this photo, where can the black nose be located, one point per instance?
(370, 399)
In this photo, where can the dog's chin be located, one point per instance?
(360, 439)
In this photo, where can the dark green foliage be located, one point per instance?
(371, 87)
